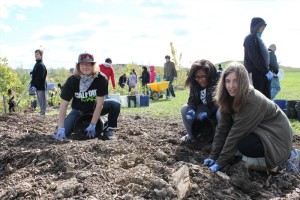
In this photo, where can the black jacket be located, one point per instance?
(38, 75)
(145, 77)
(273, 62)
(256, 55)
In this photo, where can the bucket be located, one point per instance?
(124, 101)
(131, 101)
(297, 107)
(83, 121)
(144, 100)
(115, 96)
(138, 100)
(282, 103)
(291, 110)
(204, 131)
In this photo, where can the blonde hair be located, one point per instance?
(78, 72)
(235, 104)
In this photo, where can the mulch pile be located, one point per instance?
(145, 161)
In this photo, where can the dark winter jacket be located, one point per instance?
(169, 70)
(256, 55)
(194, 98)
(273, 62)
(39, 74)
(122, 81)
(145, 77)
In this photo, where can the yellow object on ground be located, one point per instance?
(158, 86)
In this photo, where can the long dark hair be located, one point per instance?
(208, 67)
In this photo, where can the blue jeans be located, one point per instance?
(170, 88)
(275, 87)
(110, 107)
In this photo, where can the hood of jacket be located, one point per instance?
(105, 64)
(152, 68)
(256, 23)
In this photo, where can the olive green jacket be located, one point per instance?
(262, 117)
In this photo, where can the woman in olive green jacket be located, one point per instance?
(250, 123)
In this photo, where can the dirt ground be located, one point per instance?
(145, 161)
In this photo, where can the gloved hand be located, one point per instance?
(202, 115)
(215, 168)
(190, 115)
(33, 89)
(60, 134)
(91, 130)
(208, 162)
(269, 75)
(175, 78)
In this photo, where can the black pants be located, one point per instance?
(251, 146)
(261, 83)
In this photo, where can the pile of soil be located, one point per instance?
(144, 161)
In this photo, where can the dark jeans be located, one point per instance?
(110, 107)
(251, 146)
(170, 88)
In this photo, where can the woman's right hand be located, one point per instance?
(208, 162)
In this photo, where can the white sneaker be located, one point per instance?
(186, 138)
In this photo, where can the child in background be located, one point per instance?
(11, 100)
(152, 74)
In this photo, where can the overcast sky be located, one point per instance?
(140, 31)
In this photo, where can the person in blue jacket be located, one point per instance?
(256, 58)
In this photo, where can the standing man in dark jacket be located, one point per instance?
(256, 58)
(170, 74)
(38, 80)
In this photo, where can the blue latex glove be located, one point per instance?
(269, 75)
(91, 130)
(201, 116)
(175, 78)
(60, 134)
(215, 168)
(190, 115)
(208, 162)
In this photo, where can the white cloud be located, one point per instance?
(21, 17)
(5, 28)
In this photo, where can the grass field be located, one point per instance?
(290, 90)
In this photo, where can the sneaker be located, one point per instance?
(187, 138)
(293, 163)
(109, 133)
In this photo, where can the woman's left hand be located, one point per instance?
(201, 116)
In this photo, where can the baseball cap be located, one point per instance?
(86, 57)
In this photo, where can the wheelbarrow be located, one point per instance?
(157, 89)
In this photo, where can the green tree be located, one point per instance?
(8, 79)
